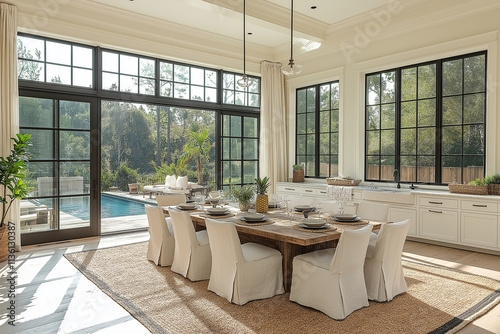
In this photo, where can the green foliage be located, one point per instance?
(492, 179)
(197, 146)
(124, 176)
(243, 194)
(476, 182)
(298, 167)
(12, 170)
(262, 185)
(107, 180)
(165, 170)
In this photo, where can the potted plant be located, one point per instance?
(474, 187)
(243, 194)
(11, 179)
(262, 201)
(298, 173)
(493, 182)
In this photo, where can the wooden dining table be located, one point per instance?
(282, 236)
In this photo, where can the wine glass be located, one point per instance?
(286, 200)
(319, 208)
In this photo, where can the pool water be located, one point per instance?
(118, 207)
(111, 206)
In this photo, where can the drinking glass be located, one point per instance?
(286, 200)
(319, 208)
(290, 211)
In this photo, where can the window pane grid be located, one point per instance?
(317, 129)
(455, 110)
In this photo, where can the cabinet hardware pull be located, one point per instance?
(435, 211)
(309, 191)
(323, 192)
(480, 205)
(431, 202)
(290, 189)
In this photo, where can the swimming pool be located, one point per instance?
(111, 206)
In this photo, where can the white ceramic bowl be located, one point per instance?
(252, 216)
(345, 216)
(217, 211)
(187, 206)
(313, 222)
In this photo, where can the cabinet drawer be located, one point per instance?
(436, 224)
(439, 202)
(479, 230)
(314, 191)
(479, 206)
(288, 189)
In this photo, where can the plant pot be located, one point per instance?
(298, 175)
(244, 206)
(262, 203)
(4, 242)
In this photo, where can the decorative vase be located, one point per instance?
(262, 203)
(298, 175)
(244, 206)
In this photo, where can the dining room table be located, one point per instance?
(281, 233)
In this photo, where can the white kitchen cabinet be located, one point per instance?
(480, 230)
(397, 214)
(437, 224)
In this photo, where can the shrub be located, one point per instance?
(124, 176)
(107, 180)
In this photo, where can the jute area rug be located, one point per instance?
(438, 300)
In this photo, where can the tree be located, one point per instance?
(197, 146)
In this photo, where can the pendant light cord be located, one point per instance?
(244, 38)
(291, 34)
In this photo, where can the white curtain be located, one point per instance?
(9, 97)
(273, 134)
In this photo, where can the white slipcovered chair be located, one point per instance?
(373, 211)
(332, 280)
(241, 273)
(383, 268)
(167, 200)
(192, 257)
(161, 237)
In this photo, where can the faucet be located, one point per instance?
(412, 187)
(395, 174)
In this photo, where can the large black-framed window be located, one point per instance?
(425, 123)
(240, 149)
(317, 129)
(137, 79)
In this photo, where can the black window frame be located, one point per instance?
(317, 130)
(438, 127)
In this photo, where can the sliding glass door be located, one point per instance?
(61, 172)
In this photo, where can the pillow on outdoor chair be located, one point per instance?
(182, 182)
(170, 180)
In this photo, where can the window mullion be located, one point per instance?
(397, 122)
(439, 123)
(317, 132)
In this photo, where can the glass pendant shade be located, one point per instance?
(245, 81)
(291, 69)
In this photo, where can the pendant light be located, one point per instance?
(291, 69)
(244, 81)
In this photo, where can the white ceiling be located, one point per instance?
(267, 20)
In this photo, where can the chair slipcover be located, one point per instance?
(192, 257)
(332, 280)
(383, 268)
(373, 211)
(241, 273)
(161, 237)
(167, 200)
